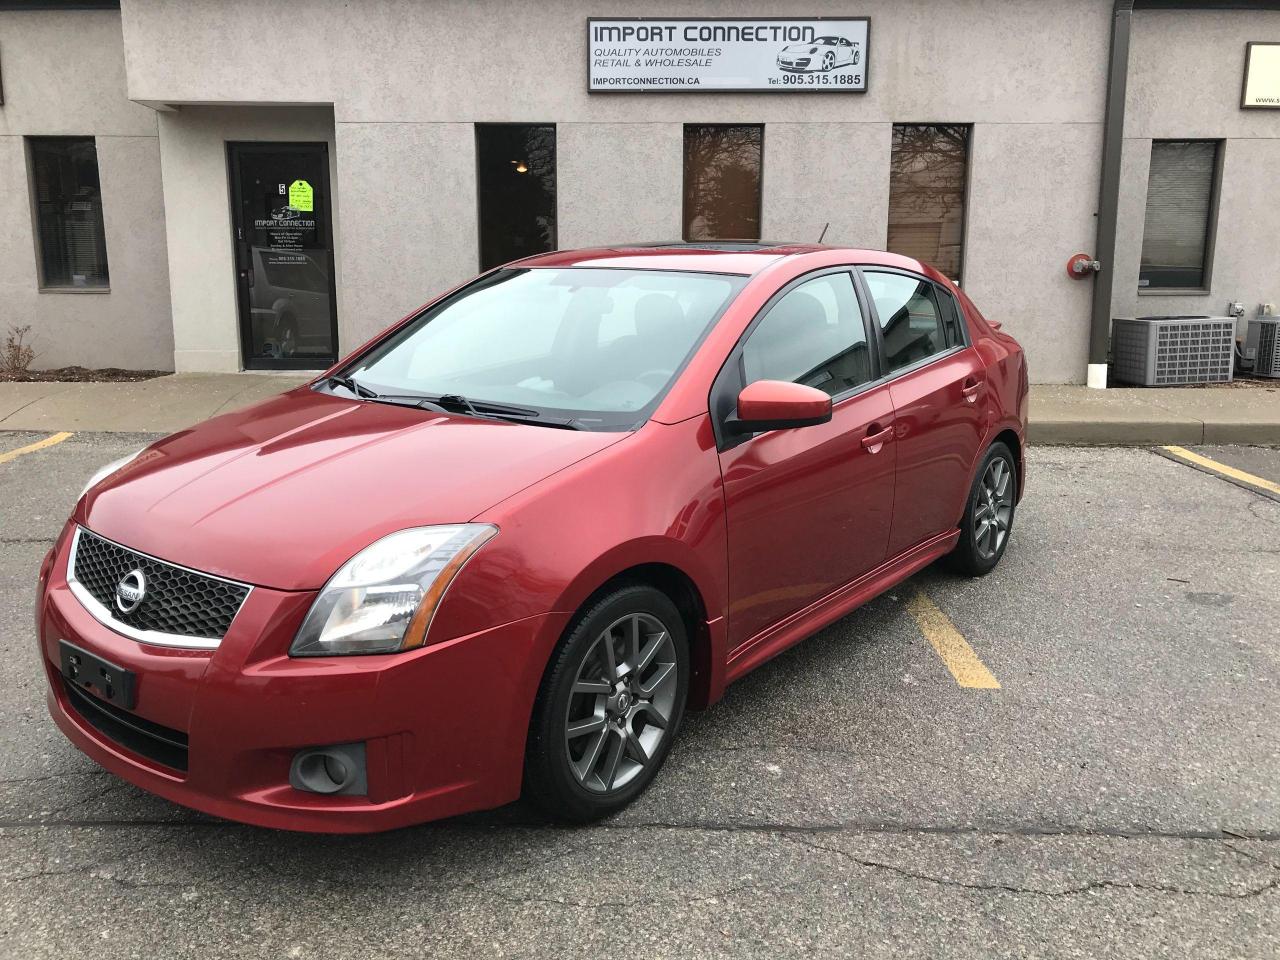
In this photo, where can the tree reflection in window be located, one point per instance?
(722, 181)
(928, 171)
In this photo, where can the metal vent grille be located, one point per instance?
(1167, 351)
(179, 603)
(1266, 361)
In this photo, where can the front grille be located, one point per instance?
(178, 602)
(158, 743)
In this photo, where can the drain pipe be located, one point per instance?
(1109, 193)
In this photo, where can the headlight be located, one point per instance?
(109, 469)
(382, 599)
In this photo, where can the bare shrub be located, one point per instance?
(16, 354)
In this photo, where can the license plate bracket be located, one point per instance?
(106, 680)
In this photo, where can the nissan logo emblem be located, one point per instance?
(131, 591)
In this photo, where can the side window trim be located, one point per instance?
(873, 317)
(948, 300)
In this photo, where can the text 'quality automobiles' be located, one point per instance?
(503, 548)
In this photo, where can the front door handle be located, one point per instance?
(877, 438)
(971, 388)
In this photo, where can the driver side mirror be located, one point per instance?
(778, 405)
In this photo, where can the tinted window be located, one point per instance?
(928, 170)
(1175, 242)
(722, 181)
(516, 180)
(68, 203)
(910, 323)
(814, 335)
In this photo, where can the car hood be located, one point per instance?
(282, 493)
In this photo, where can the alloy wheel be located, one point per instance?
(993, 513)
(622, 702)
(828, 61)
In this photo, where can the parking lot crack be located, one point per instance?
(1070, 891)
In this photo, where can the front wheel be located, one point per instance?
(988, 515)
(609, 707)
(828, 61)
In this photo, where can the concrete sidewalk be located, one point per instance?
(1059, 414)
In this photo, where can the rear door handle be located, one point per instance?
(971, 388)
(872, 442)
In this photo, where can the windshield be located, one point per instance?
(599, 346)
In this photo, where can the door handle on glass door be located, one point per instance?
(876, 437)
(971, 388)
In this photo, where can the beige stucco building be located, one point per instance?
(188, 107)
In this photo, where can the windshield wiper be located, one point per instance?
(456, 403)
(484, 406)
(498, 411)
(350, 383)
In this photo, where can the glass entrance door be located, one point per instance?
(283, 236)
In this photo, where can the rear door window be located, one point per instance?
(912, 327)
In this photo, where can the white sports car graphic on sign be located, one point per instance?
(824, 53)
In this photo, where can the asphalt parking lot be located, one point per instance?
(1113, 792)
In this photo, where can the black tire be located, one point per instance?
(973, 554)
(828, 61)
(550, 781)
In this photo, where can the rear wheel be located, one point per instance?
(988, 515)
(609, 706)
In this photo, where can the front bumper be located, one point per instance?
(444, 727)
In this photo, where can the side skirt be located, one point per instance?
(769, 643)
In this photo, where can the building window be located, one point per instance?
(722, 181)
(928, 176)
(1181, 195)
(68, 212)
(516, 177)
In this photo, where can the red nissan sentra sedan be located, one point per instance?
(505, 545)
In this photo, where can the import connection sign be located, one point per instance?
(656, 55)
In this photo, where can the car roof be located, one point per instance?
(745, 257)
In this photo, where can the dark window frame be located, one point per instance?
(43, 281)
(684, 186)
(555, 185)
(1211, 222)
(965, 187)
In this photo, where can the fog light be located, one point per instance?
(336, 769)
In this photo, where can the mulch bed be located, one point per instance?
(81, 375)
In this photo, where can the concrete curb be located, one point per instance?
(1140, 433)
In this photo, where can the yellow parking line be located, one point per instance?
(1182, 453)
(954, 650)
(33, 447)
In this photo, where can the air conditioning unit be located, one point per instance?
(1171, 351)
(1262, 346)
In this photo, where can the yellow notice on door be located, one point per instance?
(301, 196)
